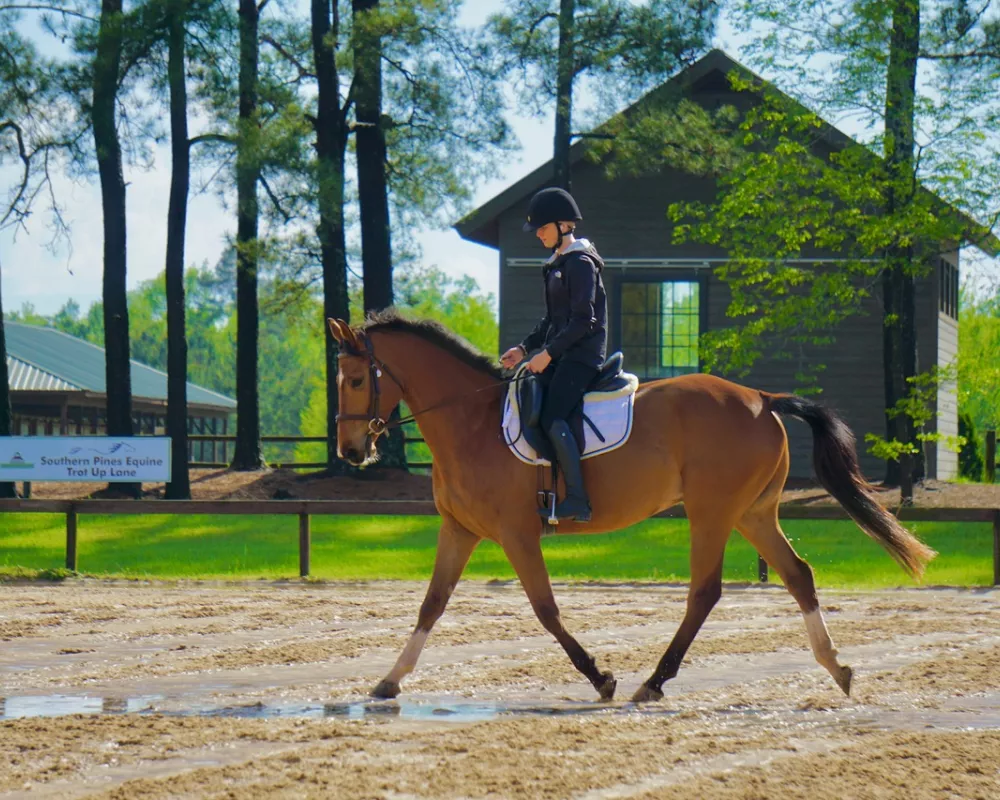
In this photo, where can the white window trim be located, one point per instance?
(677, 263)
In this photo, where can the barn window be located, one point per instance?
(948, 289)
(660, 324)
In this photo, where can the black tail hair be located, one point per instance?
(836, 463)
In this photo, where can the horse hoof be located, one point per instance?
(647, 694)
(386, 690)
(844, 680)
(608, 686)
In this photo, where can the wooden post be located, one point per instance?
(991, 456)
(71, 540)
(996, 547)
(761, 569)
(303, 545)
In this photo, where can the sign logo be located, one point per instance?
(17, 462)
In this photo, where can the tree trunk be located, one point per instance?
(247, 455)
(564, 94)
(899, 341)
(373, 199)
(331, 144)
(6, 487)
(179, 487)
(118, 372)
(373, 195)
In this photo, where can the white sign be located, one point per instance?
(85, 458)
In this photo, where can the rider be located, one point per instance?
(573, 334)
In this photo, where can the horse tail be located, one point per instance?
(836, 463)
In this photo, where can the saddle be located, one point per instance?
(601, 423)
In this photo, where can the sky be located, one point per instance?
(32, 274)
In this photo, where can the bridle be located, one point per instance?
(376, 424)
(376, 367)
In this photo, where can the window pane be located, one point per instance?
(660, 327)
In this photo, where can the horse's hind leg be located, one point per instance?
(525, 555)
(455, 546)
(761, 528)
(708, 545)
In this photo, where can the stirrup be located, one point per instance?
(547, 510)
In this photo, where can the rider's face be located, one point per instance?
(548, 235)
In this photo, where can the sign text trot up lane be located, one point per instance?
(85, 458)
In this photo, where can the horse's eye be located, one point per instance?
(357, 382)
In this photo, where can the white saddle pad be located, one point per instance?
(611, 413)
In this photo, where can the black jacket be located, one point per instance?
(575, 325)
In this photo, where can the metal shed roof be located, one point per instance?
(45, 359)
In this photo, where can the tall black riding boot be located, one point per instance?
(576, 504)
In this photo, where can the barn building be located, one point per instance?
(662, 296)
(58, 388)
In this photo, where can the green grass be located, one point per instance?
(367, 548)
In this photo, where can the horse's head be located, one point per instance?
(366, 395)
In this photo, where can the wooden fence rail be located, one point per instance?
(305, 509)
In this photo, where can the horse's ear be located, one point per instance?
(345, 335)
(335, 329)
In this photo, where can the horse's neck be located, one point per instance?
(459, 393)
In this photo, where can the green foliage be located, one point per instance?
(780, 204)
(970, 462)
(979, 362)
(444, 102)
(669, 132)
(457, 303)
(920, 405)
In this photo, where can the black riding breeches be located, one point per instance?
(565, 384)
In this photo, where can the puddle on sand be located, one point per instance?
(440, 711)
(980, 713)
(436, 710)
(61, 705)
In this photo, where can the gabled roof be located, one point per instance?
(481, 225)
(45, 359)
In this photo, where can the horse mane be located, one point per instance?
(434, 332)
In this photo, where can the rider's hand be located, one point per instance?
(512, 357)
(539, 362)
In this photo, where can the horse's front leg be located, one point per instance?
(525, 554)
(455, 546)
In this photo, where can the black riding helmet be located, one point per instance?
(551, 205)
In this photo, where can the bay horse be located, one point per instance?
(717, 447)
